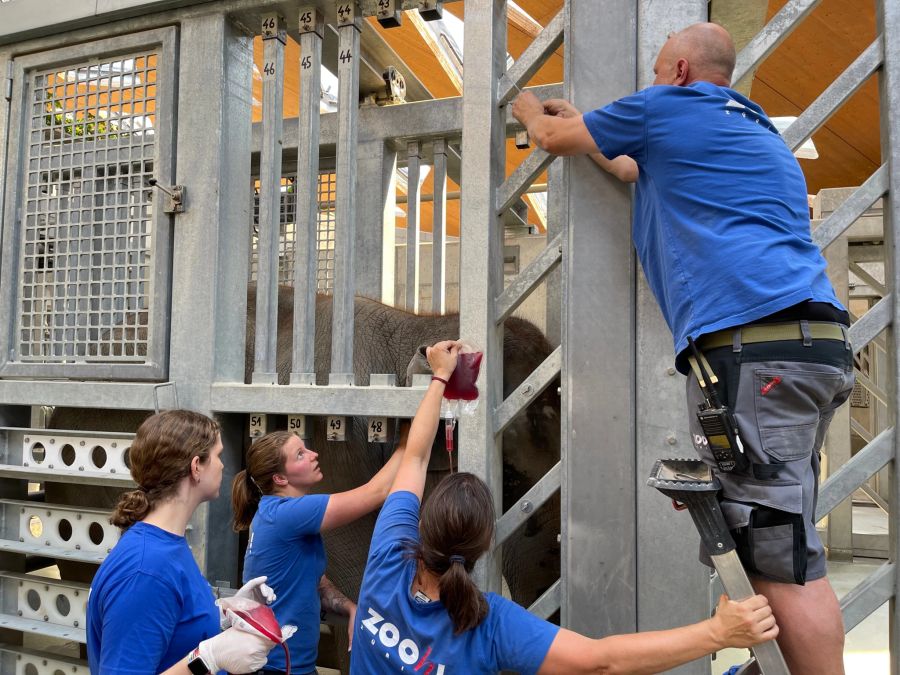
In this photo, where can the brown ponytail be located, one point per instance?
(265, 458)
(161, 455)
(456, 527)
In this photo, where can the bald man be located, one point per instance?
(721, 227)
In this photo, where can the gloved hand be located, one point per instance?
(256, 590)
(235, 651)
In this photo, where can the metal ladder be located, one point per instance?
(691, 482)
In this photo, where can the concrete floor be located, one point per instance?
(866, 647)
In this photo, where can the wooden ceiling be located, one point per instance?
(828, 40)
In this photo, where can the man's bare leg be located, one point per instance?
(811, 627)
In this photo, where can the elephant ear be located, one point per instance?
(418, 365)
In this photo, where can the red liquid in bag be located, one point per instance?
(462, 382)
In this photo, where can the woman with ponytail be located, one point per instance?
(419, 610)
(150, 610)
(272, 499)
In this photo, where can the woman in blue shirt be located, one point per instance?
(419, 611)
(150, 609)
(271, 498)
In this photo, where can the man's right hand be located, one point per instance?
(559, 107)
(743, 623)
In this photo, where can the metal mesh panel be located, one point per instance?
(85, 250)
(287, 234)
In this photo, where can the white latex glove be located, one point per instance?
(235, 651)
(256, 589)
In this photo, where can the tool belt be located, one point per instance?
(807, 331)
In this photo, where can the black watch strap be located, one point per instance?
(196, 664)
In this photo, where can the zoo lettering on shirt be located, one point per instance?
(409, 652)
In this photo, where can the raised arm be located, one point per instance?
(558, 127)
(411, 476)
(345, 507)
(735, 624)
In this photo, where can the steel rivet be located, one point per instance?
(21, 539)
(77, 516)
(82, 443)
(46, 618)
(77, 547)
(27, 440)
(112, 470)
(670, 371)
(52, 441)
(19, 612)
(75, 623)
(526, 506)
(719, 545)
(527, 389)
(49, 466)
(81, 468)
(115, 445)
(671, 440)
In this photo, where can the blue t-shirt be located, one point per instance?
(721, 221)
(285, 545)
(396, 634)
(149, 605)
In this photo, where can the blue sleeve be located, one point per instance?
(398, 520)
(620, 128)
(301, 516)
(520, 639)
(139, 619)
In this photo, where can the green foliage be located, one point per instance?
(89, 126)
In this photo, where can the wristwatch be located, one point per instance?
(196, 664)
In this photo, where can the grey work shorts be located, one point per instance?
(783, 395)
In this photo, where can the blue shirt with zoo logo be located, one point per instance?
(721, 220)
(149, 605)
(396, 634)
(285, 545)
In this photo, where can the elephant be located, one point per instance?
(385, 339)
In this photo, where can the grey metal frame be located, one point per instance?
(617, 382)
(154, 363)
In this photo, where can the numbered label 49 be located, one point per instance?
(336, 428)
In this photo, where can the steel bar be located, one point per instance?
(861, 431)
(534, 56)
(530, 502)
(868, 595)
(871, 323)
(481, 245)
(549, 602)
(269, 225)
(872, 388)
(772, 34)
(526, 280)
(307, 190)
(413, 225)
(539, 379)
(524, 175)
(879, 501)
(345, 214)
(873, 283)
(865, 464)
(369, 401)
(837, 93)
(888, 22)
(439, 228)
(855, 205)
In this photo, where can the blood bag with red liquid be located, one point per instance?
(460, 393)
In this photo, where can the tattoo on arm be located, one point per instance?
(332, 599)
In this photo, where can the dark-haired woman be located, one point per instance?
(420, 611)
(271, 498)
(150, 609)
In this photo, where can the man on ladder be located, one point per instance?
(721, 227)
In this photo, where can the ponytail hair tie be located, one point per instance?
(458, 559)
(253, 481)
